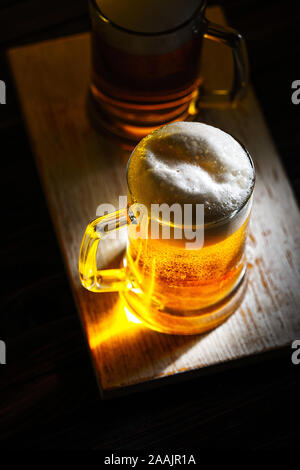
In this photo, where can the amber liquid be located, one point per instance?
(182, 281)
(134, 94)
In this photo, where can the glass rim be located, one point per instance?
(199, 11)
(225, 219)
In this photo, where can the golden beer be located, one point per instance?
(184, 280)
(169, 281)
(181, 282)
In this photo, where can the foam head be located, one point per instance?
(148, 16)
(191, 163)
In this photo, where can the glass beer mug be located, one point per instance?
(169, 284)
(146, 64)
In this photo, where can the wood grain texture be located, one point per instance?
(81, 169)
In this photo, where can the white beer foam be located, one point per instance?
(148, 16)
(190, 162)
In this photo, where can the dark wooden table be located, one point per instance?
(48, 393)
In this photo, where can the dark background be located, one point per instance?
(48, 393)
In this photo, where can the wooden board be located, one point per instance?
(80, 169)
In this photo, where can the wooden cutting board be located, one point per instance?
(81, 169)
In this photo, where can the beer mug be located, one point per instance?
(171, 283)
(146, 58)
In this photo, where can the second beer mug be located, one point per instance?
(146, 58)
(184, 270)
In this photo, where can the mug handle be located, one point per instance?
(106, 280)
(233, 39)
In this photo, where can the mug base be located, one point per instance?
(197, 322)
(123, 132)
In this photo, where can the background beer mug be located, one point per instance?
(171, 288)
(146, 63)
